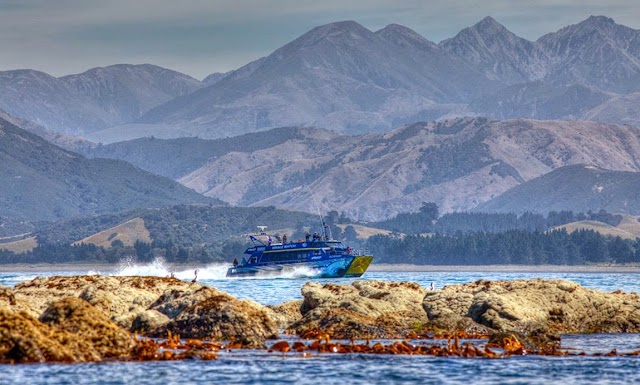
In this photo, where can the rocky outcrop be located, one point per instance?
(122, 299)
(78, 317)
(82, 319)
(151, 306)
(223, 317)
(286, 313)
(364, 309)
(70, 330)
(532, 306)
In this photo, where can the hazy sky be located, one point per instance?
(199, 37)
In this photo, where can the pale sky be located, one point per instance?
(199, 37)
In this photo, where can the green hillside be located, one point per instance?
(39, 181)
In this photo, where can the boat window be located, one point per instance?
(285, 256)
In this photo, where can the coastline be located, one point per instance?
(381, 267)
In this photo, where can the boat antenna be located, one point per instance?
(324, 232)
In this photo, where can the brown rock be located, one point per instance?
(286, 314)
(223, 317)
(531, 306)
(70, 330)
(148, 320)
(122, 299)
(364, 309)
(25, 339)
(78, 317)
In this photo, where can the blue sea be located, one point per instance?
(261, 367)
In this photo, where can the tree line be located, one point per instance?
(427, 220)
(556, 247)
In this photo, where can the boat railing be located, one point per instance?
(361, 252)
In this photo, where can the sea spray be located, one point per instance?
(216, 271)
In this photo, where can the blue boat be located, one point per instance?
(323, 258)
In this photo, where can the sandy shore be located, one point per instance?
(381, 267)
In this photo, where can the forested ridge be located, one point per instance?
(203, 234)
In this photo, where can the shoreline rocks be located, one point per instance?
(91, 318)
(364, 309)
(532, 306)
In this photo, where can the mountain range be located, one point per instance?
(344, 77)
(309, 127)
(456, 163)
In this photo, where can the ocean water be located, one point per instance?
(261, 367)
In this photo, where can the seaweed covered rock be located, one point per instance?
(24, 339)
(532, 306)
(122, 299)
(78, 317)
(223, 317)
(70, 330)
(364, 309)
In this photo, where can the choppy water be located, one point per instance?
(257, 367)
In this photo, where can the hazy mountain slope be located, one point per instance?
(339, 75)
(578, 188)
(596, 52)
(40, 181)
(94, 100)
(175, 158)
(620, 109)
(457, 163)
(48, 102)
(344, 77)
(498, 53)
(68, 142)
(127, 91)
(539, 100)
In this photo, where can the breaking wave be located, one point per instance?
(215, 271)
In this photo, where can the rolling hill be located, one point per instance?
(458, 163)
(577, 188)
(39, 181)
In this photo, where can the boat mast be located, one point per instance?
(322, 224)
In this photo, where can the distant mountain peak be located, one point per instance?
(488, 23)
(602, 24)
(488, 26)
(337, 28)
(600, 20)
(333, 31)
(399, 33)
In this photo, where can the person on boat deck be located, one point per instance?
(316, 237)
(244, 261)
(235, 262)
(270, 240)
(307, 235)
(284, 238)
